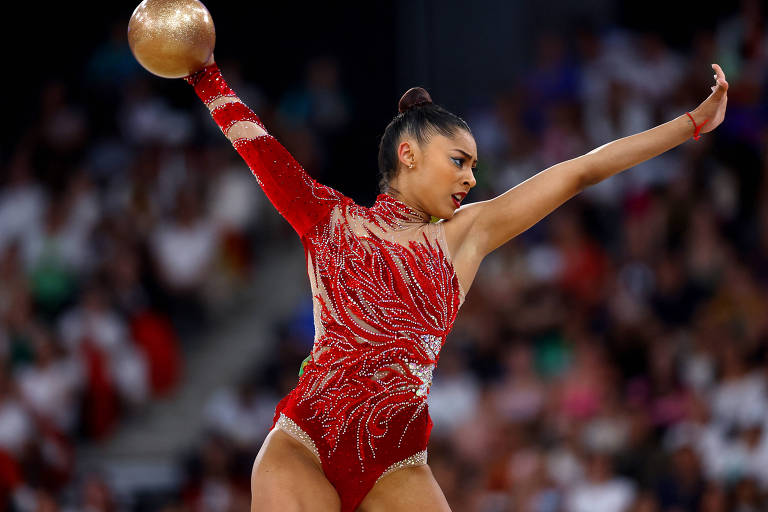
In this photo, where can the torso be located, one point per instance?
(385, 295)
(386, 290)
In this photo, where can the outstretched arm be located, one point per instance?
(494, 222)
(299, 198)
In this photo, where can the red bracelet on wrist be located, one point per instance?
(698, 128)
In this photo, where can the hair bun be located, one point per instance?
(414, 97)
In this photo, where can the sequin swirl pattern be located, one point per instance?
(385, 297)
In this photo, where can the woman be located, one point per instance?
(387, 284)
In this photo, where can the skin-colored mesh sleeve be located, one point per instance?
(297, 196)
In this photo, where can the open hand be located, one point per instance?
(713, 108)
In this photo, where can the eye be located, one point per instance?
(458, 161)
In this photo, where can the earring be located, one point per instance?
(410, 166)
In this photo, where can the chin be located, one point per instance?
(443, 211)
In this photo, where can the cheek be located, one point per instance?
(443, 175)
(436, 182)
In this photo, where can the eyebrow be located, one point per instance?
(465, 154)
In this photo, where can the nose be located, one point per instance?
(470, 180)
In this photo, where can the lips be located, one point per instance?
(457, 198)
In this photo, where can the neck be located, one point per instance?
(393, 192)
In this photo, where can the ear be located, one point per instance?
(406, 153)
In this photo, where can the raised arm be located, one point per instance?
(299, 198)
(492, 223)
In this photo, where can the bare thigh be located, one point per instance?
(406, 490)
(286, 477)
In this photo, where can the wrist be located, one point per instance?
(696, 122)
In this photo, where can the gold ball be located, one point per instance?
(171, 38)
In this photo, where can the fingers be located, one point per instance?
(720, 77)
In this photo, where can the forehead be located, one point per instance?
(462, 139)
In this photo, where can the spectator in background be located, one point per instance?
(242, 415)
(55, 253)
(212, 487)
(17, 432)
(50, 387)
(183, 251)
(313, 115)
(520, 397)
(682, 484)
(115, 367)
(602, 490)
(22, 200)
(457, 396)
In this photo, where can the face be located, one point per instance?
(442, 168)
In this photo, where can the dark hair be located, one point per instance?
(419, 118)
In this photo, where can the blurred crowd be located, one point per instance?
(613, 358)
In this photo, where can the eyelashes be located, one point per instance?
(460, 162)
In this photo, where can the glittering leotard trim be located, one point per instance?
(417, 459)
(290, 427)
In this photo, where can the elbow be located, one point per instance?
(587, 180)
(588, 174)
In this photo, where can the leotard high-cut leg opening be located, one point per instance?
(291, 428)
(348, 490)
(417, 459)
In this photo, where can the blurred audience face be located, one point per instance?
(599, 468)
(713, 500)
(686, 464)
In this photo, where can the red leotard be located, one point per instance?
(385, 298)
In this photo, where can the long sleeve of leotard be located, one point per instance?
(299, 198)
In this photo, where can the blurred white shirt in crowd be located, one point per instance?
(107, 331)
(614, 495)
(51, 391)
(246, 422)
(68, 246)
(234, 201)
(21, 208)
(740, 401)
(16, 426)
(184, 253)
(452, 400)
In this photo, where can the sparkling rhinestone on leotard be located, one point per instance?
(417, 459)
(290, 427)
